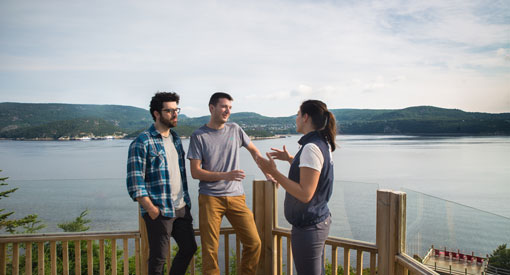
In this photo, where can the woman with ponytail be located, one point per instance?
(309, 184)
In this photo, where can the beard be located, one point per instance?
(170, 123)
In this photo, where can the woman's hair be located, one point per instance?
(322, 119)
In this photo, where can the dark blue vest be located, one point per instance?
(316, 210)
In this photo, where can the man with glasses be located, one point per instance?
(214, 160)
(156, 178)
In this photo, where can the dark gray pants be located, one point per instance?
(159, 232)
(308, 247)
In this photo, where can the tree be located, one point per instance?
(78, 225)
(29, 223)
(500, 257)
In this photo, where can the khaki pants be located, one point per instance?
(211, 212)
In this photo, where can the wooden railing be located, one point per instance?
(64, 239)
(387, 255)
(335, 243)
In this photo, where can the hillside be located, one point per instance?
(18, 115)
(67, 129)
(422, 120)
(54, 121)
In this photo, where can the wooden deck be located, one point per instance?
(454, 265)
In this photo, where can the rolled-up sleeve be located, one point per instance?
(136, 164)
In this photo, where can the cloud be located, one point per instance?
(266, 53)
(505, 53)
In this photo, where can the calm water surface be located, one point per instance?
(59, 179)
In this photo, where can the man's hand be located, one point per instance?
(146, 203)
(153, 213)
(235, 175)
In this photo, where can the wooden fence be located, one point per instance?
(387, 255)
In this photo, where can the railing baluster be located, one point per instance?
(90, 258)
(114, 257)
(15, 258)
(53, 257)
(102, 268)
(65, 258)
(169, 256)
(77, 257)
(126, 256)
(192, 266)
(226, 238)
(373, 257)
(238, 254)
(17, 252)
(290, 263)
(28, 258)
(347, 261)
(359, 262)
(334, 260)
(279, 256)
(3, 257)
(137, 256)
(40, 258)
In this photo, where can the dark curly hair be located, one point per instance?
(159, 98)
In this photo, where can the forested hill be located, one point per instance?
(422, 120)
(61, 121)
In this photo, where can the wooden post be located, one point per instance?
(53, 257)
(15, 259)
(144, 254)
(3, 258)
(77, 258)
(264, 211)
(65, 257)
(90, 257)
(359, 262)
(28, 258)
(226, 246)
(391, 230)
(40, 257)
(114, 256)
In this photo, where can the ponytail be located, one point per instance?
(322, 119)
(329, 130)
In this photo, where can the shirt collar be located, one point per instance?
(304, 139)
(154, 132)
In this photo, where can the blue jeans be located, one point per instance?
(308, 247)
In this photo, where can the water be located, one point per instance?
(59, 179)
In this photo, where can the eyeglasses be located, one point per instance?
(175, 111)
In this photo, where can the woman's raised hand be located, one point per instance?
(281, 154)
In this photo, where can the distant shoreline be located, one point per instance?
(272, 137)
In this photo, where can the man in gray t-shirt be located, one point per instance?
(214, 160)
(219, 151)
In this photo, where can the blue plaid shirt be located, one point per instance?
(147, 171)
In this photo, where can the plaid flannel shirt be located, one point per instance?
(147, 171)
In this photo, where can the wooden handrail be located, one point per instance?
(413, 265)
(337, 241)
(68, 236)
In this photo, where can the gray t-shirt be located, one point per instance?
(219, 152)
(172, 158)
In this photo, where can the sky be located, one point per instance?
(270, 55)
